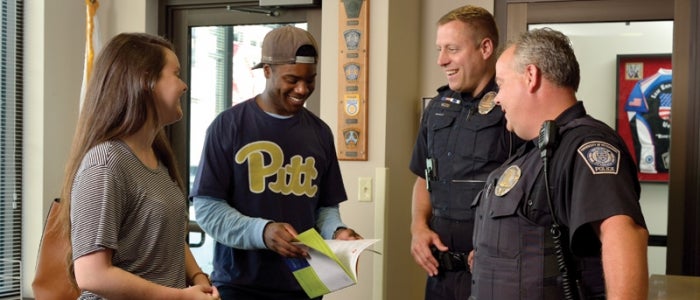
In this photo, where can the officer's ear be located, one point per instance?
(486, 48)
(533, 76)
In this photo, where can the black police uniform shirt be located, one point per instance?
(591, 177)
(466, 144)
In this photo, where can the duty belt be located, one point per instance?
(451, 261)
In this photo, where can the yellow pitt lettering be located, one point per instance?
(294, 178)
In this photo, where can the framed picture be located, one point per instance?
(423, 106)
(424, 102)
(643, 107)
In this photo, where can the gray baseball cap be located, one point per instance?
(281, 46)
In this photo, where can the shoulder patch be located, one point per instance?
(601, 157)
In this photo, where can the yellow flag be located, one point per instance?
(92, 43)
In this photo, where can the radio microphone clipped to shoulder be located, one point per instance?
(547, 139)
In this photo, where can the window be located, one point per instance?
(11, 107)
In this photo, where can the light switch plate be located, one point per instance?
(364, 189)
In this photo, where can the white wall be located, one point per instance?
(393, 90)
(361, 216)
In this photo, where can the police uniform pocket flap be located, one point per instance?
(438, 122)
(506, 205)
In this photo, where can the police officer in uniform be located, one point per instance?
(564, 210)
(462, 138)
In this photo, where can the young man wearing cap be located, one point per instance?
(268, 171)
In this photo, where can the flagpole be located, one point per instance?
(91, 9)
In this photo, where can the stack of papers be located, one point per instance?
(331, 266)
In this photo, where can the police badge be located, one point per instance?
(487, 103)
(507, 180)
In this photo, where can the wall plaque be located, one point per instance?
(352, 79)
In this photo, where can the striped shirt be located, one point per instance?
(140, 213)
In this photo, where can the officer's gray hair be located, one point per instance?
(551, 52)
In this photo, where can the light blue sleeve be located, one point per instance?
(227, 225)
(328, 220)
